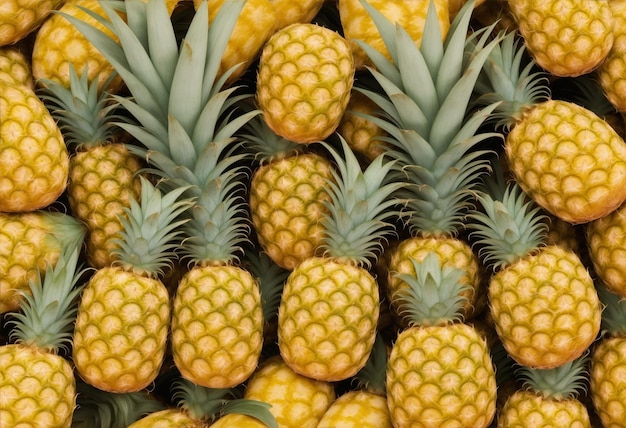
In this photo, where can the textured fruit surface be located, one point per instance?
(169, 418)
(569, 160)
(608, 381)
(37, 389)
(612, 72)
(525, 409)
(357, 409)
(18, 18)
(15, 68)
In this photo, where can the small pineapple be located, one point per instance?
(542, 298)
(439, 371)
(330, 305)
(565, 37)
(305, 76)
(19, 18)
(37, 384)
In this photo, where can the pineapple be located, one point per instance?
(565, 157)
(565, 37)
(103, 172)
(612, 71)
(296, 401)
(439, 371)
(548, 398)
(34, 161)
(305, 76)
(542, 298)
(122, 323)
(19, 18)
(29, 242)
(358, 26)
(15, 68)
(434, 143)
(37, 385)
(217, 319)
(330, 305)
(288, 191)
(291, 12)
(608, 358)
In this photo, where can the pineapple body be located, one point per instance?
(297, 401)
(607, 383)
(526, 408)
(238, 420)
(19, 18)
(569, 160)
(15, 68)
(327, 319)
(357, 409)
(304, 81)
(34, 161)
(358, 25)
(612, 72)
(37, 389)
(287, 204)
(168, 418)
(441, 376)
(361, 134)
(291, 12)
(121, 330)
(217, 326)
(566, 37)
(545, 308)
(102, 181)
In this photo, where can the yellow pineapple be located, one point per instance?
(304, 80)
(565, 37)
(565, 157)
(411, 15)
(19, 18)
(329, 308)
(15, 67)
(29, 242)
(292, 12)
(37, 384)
(612, 71)
(103, 174)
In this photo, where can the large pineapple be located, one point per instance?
(29, 242)
(37, 384)
(433, 140)
(330, 305)
(124, 315)
(439, 371)
(304, 80)
(217, 320)
(565, 37)
(103, 172)
(542, 298)
(19, 18)
(565, 157)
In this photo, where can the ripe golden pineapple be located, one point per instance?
(15, 67)
(565, 157)
(411, 15)
(37, 384)
(565, 37)
(103, 174)
(129, 300)
(19, 18)
(611, 73)
(29, 242)
(330, 305)
(291, 12)
(304, 80)
(34, 161)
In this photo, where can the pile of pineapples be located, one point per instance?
(340, 213)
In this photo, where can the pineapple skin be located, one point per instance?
(327, 319)
(357, 409)
(34, 160)
(297, 401)
(441, 376)
(102, 182)
(569, 160)
(293, 12)
(567, 38)
(237, 420)
(612, 72)
(287, 200)
(305, 77)
(361, 134)
(168, 418)
(121, 330)
(526, 408)
(217, 326)
(37, 389)
(545, 308)
(19, 18)
(15, 68)
(607, 385)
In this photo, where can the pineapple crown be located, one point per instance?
(271, 278)
(509, 226)
(266, 144)
(372, 376)
(614, 313)
(48, 312)
(434, 293)
(184, 120)
(85, 115)
(359, 208)
(507, 81)
(209, 404)
(560, 383)
(150, 230)
(426, 93)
